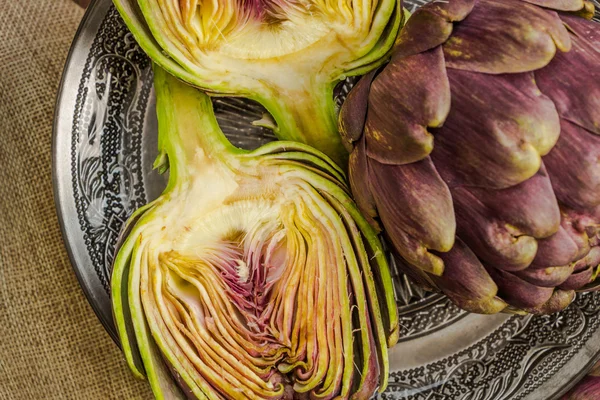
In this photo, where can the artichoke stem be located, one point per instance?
(181, 109)
(307, 114)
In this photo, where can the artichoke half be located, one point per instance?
(477, 148)
(287, 55)
(253, 275)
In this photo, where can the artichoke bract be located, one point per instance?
(253, 275)
(287, 55)
(587, 389)
(476, 148)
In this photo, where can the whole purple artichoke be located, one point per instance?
(477, 150)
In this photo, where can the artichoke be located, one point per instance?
(287, 55)
(253, 275)
(587, 389)
(477, 149)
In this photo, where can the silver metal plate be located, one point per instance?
(104, 146)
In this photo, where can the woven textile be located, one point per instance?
(52, 346)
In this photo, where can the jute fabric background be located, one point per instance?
(52, 346)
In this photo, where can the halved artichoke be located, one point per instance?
(287, 55)
(477, 148)
(253, 275)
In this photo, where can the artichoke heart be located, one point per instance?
(253, 275)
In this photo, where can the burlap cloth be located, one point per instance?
(52, 346)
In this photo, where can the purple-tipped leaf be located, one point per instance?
(572, 80)
(518, 292)
(530, 206)
(559, 5)
(559, 301)
(430, 26)
(409, 96)
(493, 240)
(575, 225)
(591, 260)
(546, 277)
(358, 175)
(559, 249)
(578, 279)
(467, 283)
(415, 207)
(574, 166)
(497, 130)
(354, 110)
(506, 36)
(502, 226)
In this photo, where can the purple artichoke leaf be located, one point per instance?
(591, 260)
(415, 207)
(497, 130)
(424, 31)
(559, 5)
(575, 225)
(549, 277)
(594, 240)
(409, 96)
(518, 292)
(430, 26)
(493, 240)
(530, 206)
(572, 80)
(574, 166)
(501, 226)
(467, 283)
(414, 252)
(594, 285)
(520, 37)
(558, 249)
(579, 279)
(358, 176)
(453, 11)
(559, 301)
(353, 113)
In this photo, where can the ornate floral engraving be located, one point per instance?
(106, 142)
(508, 364)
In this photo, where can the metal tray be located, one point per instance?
(104, 146)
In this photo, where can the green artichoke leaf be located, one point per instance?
(119, 293)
